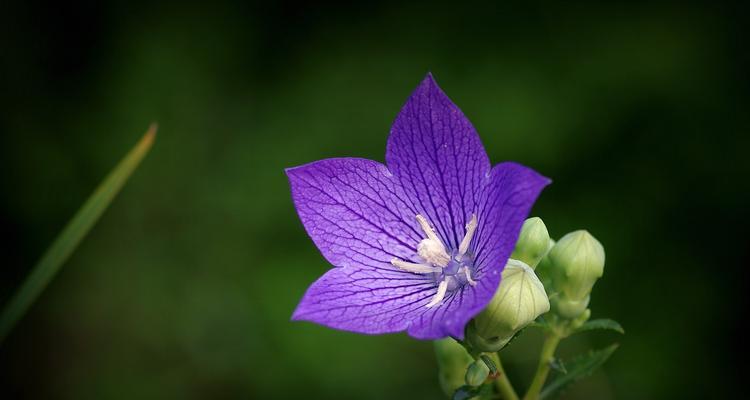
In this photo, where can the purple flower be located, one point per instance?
(419, 244)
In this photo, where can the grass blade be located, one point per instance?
(76, 229)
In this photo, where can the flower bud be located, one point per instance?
(569, 309)
(519, 299)
(543, 270)
(452, 361)
(533, 242)
(477, 373)
(577, 262)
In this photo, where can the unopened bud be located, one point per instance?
(533, 242)
(578, 261)
(477, 373)
(519, 299)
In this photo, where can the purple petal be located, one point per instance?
(505, 200)
(354, 212)
(436, 154)
(364, 300)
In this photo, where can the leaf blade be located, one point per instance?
(578, 368)
(72, 234)
(604, 323)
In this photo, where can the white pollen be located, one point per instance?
(470, 228)
(414, 267)
(431, 249)
(433, 252)
(428, 229)
(440, 295)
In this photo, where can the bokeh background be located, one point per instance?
(638, 111)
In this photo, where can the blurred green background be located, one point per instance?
(637, 111)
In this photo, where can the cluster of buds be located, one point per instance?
(568, 270)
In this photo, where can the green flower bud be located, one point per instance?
(477, 373)
(519, 299)
(533, 242)
(569, 309)
(452, 361)
(577, 262)
(544, 269)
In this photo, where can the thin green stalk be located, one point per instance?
(545, 362)
(502, 383)
(71, 235)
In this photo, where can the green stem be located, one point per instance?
(545, 361)
(502, 383)
(73, 233)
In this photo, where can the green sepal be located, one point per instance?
(541, 323)
(604, 323)
(578, 368)
(490, 364)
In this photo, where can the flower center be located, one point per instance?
(450, 270)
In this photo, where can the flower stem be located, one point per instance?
(545, 361)
(502, 383)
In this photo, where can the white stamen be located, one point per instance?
(433, 252)
(428, 229)
(413, 267)
(472, 282)
(431, 249)
(470, 228)
(440, 295)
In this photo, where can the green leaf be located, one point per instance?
(578, 368)
(558, 365)
(609, 324)
(72, 234)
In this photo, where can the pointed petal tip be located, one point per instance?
(530, 173)
(428, 81)
(299, 314)
(289, 171)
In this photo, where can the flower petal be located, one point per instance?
(504, 203)
(451, 316)
(437, 156)
(365, 300)
(354, 212)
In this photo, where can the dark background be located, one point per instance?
(638, 112)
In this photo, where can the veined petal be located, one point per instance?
(363, 300)
(506, 202)
(449, 317)
(354, 212)
(437, 156)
